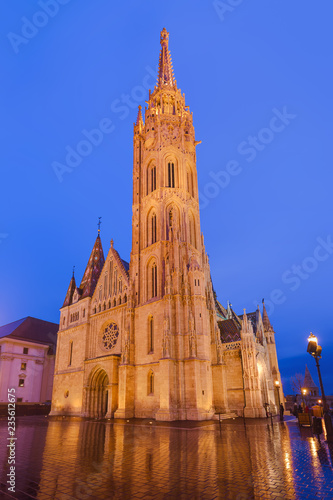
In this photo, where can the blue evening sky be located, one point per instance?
(258, 78)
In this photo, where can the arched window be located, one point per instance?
(63, 321)
(154, 280)
(153, 228)
(171, 174)
(84, 313)
(150, 334)
(120, 285)
(110, 277)
(170, 218)
(105, 284)
(150, 385)
(115, 282)
(151, 179)
(125, 298)
(70, 358)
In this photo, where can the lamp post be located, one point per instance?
(303, 396)
(315, 350)
(277, 385)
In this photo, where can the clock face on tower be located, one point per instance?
(109, 336)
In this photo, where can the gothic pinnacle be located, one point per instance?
(165, 70)
(139, 117)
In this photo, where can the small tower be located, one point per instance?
(309, 385)
(273, 360)
(253, 400)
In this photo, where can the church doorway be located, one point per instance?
(97, 394)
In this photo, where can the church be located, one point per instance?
(148, 338)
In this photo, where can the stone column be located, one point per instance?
(126, 392)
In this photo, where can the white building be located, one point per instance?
(27, 355)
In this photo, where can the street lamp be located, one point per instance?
(277, 385)
(315, 350)
(303, 396)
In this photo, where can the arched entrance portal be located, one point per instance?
(97, 394)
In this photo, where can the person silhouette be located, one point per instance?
(281, 411)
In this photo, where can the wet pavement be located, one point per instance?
(143, 459)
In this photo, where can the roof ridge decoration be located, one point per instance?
(165, 70)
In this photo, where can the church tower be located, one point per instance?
(149, 339)
(170, 331)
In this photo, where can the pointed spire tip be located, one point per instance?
(165, 70)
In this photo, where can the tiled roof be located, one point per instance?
(229, 330)
(93, 269)
(34, 329)
(220, 310)
(8, 329)
(70, 292)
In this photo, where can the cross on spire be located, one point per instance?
(99, 224)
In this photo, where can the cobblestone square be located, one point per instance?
(67, 458)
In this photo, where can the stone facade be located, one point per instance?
(149, 339)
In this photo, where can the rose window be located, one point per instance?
(110, 336)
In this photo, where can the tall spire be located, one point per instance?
(308, 380)
(229, 311)
(93, 269)
(70, 291)
(165, 70)
(139, 120)
(265, 319)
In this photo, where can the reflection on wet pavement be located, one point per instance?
(67, 458)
